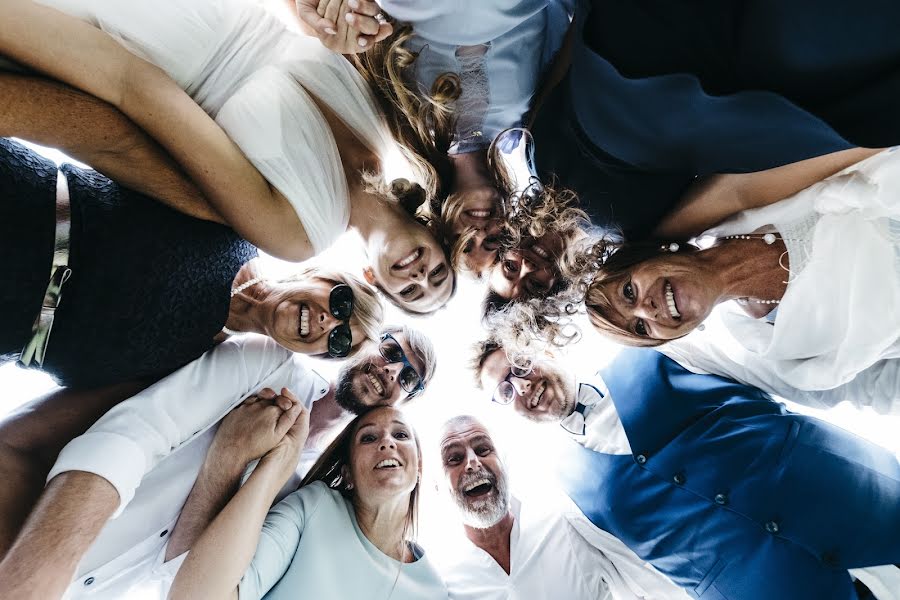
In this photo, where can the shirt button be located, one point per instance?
(641, 459)
(89, 581)
(164, 532)
(721, 499)
(772, 527)
(323, 390)
(679, 479)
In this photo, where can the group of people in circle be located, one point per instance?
(677, 157)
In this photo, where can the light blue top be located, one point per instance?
(499, 49)
(312, 547)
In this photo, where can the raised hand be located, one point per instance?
(257, 426)
(343, 26)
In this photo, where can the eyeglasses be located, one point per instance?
(505, 392)
(340, 303)
(410, 380)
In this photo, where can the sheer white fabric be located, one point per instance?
(258, 81)
(841, 311)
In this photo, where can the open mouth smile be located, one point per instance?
(374, 381)
(670, 302)
(408, 259)
(537, 395)
(303, 329)
(388, 463)
(478, 488)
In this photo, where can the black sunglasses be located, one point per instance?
(410, 380)
(340, 303)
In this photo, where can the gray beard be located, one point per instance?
(486, 511)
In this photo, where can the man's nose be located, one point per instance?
(392, 370)
(473, 463)
(521, 385)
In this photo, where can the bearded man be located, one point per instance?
(521, 550)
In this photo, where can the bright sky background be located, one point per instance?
(453, 330)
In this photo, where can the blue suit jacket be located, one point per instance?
(662, 91)
(732, 496)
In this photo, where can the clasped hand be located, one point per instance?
(265, 425)
(343, 26)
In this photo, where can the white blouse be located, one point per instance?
(259, 81)
(840, 314)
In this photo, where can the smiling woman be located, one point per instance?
(357, 509)
(800, 263)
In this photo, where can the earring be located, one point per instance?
(349, 487)
(673, 247)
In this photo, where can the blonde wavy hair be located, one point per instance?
(368, 309)
(422, 122)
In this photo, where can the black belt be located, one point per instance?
(36, 348)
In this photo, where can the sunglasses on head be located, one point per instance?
(410, 380)
(340, 303)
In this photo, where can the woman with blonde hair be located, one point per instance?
(298, 147)
(347, 532)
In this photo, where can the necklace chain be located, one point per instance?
(234, 292)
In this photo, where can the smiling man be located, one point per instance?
(523, 550)
(709, 480)
(114, 495)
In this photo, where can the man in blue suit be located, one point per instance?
(652, 95)
(711, 481)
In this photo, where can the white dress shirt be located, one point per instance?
(152, 446)
(603, 428)
(556, 553)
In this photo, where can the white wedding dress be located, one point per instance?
(258, 81)
(840, 315)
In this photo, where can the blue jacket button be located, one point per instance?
(641, 459)
(679, 479)
(772, 527)
(721, 499)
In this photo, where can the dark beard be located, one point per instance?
(343, 392)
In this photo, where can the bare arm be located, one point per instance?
(715, 198)
(52, 114)
(85, 57)
(65, 522)
(221, 556)
(30, 440)
(246, 433)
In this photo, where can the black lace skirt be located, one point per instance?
(27, 225)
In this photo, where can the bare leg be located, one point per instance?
(31, 438)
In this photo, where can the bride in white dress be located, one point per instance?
(303, 145)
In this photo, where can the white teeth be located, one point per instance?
(540, 251)
(475, 484)
(670, 300)
(536, 397)
(375, 384)
(408, 260)
(479, 213)
(304, 320)
(388, 463)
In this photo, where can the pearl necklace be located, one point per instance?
(234, 292)
(769, 239)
